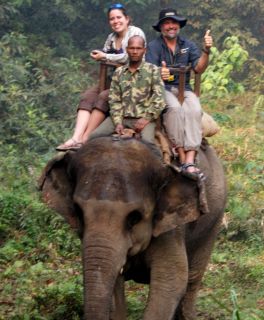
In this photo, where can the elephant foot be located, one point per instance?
(185, 317)
(185, 313)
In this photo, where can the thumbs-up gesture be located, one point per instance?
(165, 72)
(208, 40)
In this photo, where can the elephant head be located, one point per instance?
(118, 196)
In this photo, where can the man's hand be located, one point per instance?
(165, 72)
(119, 129)
(204, 58)
(98, 55)
(208, 41)
(140, 124)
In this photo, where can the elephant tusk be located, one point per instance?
(121, 271)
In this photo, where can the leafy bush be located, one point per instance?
(32, 89)
(217, 81)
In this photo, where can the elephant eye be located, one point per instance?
(133, 218)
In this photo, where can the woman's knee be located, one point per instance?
(91, 91)
(104, 94)
(102, 101)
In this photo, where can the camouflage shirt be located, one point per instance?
(136, 95)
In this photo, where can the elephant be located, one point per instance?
(137, 219)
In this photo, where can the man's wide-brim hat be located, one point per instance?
(169, 13)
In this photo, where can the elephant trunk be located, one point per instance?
(102, 262)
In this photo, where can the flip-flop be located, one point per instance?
(73, 146)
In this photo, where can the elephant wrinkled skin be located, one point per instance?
(138, 219)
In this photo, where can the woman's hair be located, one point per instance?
(120, 7)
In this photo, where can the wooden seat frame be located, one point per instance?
(181, 71)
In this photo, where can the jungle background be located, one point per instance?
(44, 65)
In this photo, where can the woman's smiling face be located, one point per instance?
(118, 21)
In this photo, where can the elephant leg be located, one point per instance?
(198, 261)
(169, 275)
(118, 310)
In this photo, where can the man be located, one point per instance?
(182, 122)
(136, 96)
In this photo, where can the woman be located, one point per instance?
(93, 106)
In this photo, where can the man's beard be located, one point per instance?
(171, 37)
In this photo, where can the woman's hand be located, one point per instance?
(98, 55)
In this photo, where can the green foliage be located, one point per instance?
(27, 83)
(254, 75)
(228, 290)
(7, 10)
(66, 25)
(50, 294)
(33, 243)
(136, 296)
(242, 19)
(217, 80)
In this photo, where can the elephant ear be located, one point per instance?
(181, 200)
(56, 188)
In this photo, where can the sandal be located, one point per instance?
(196, 175)
(73, 145)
